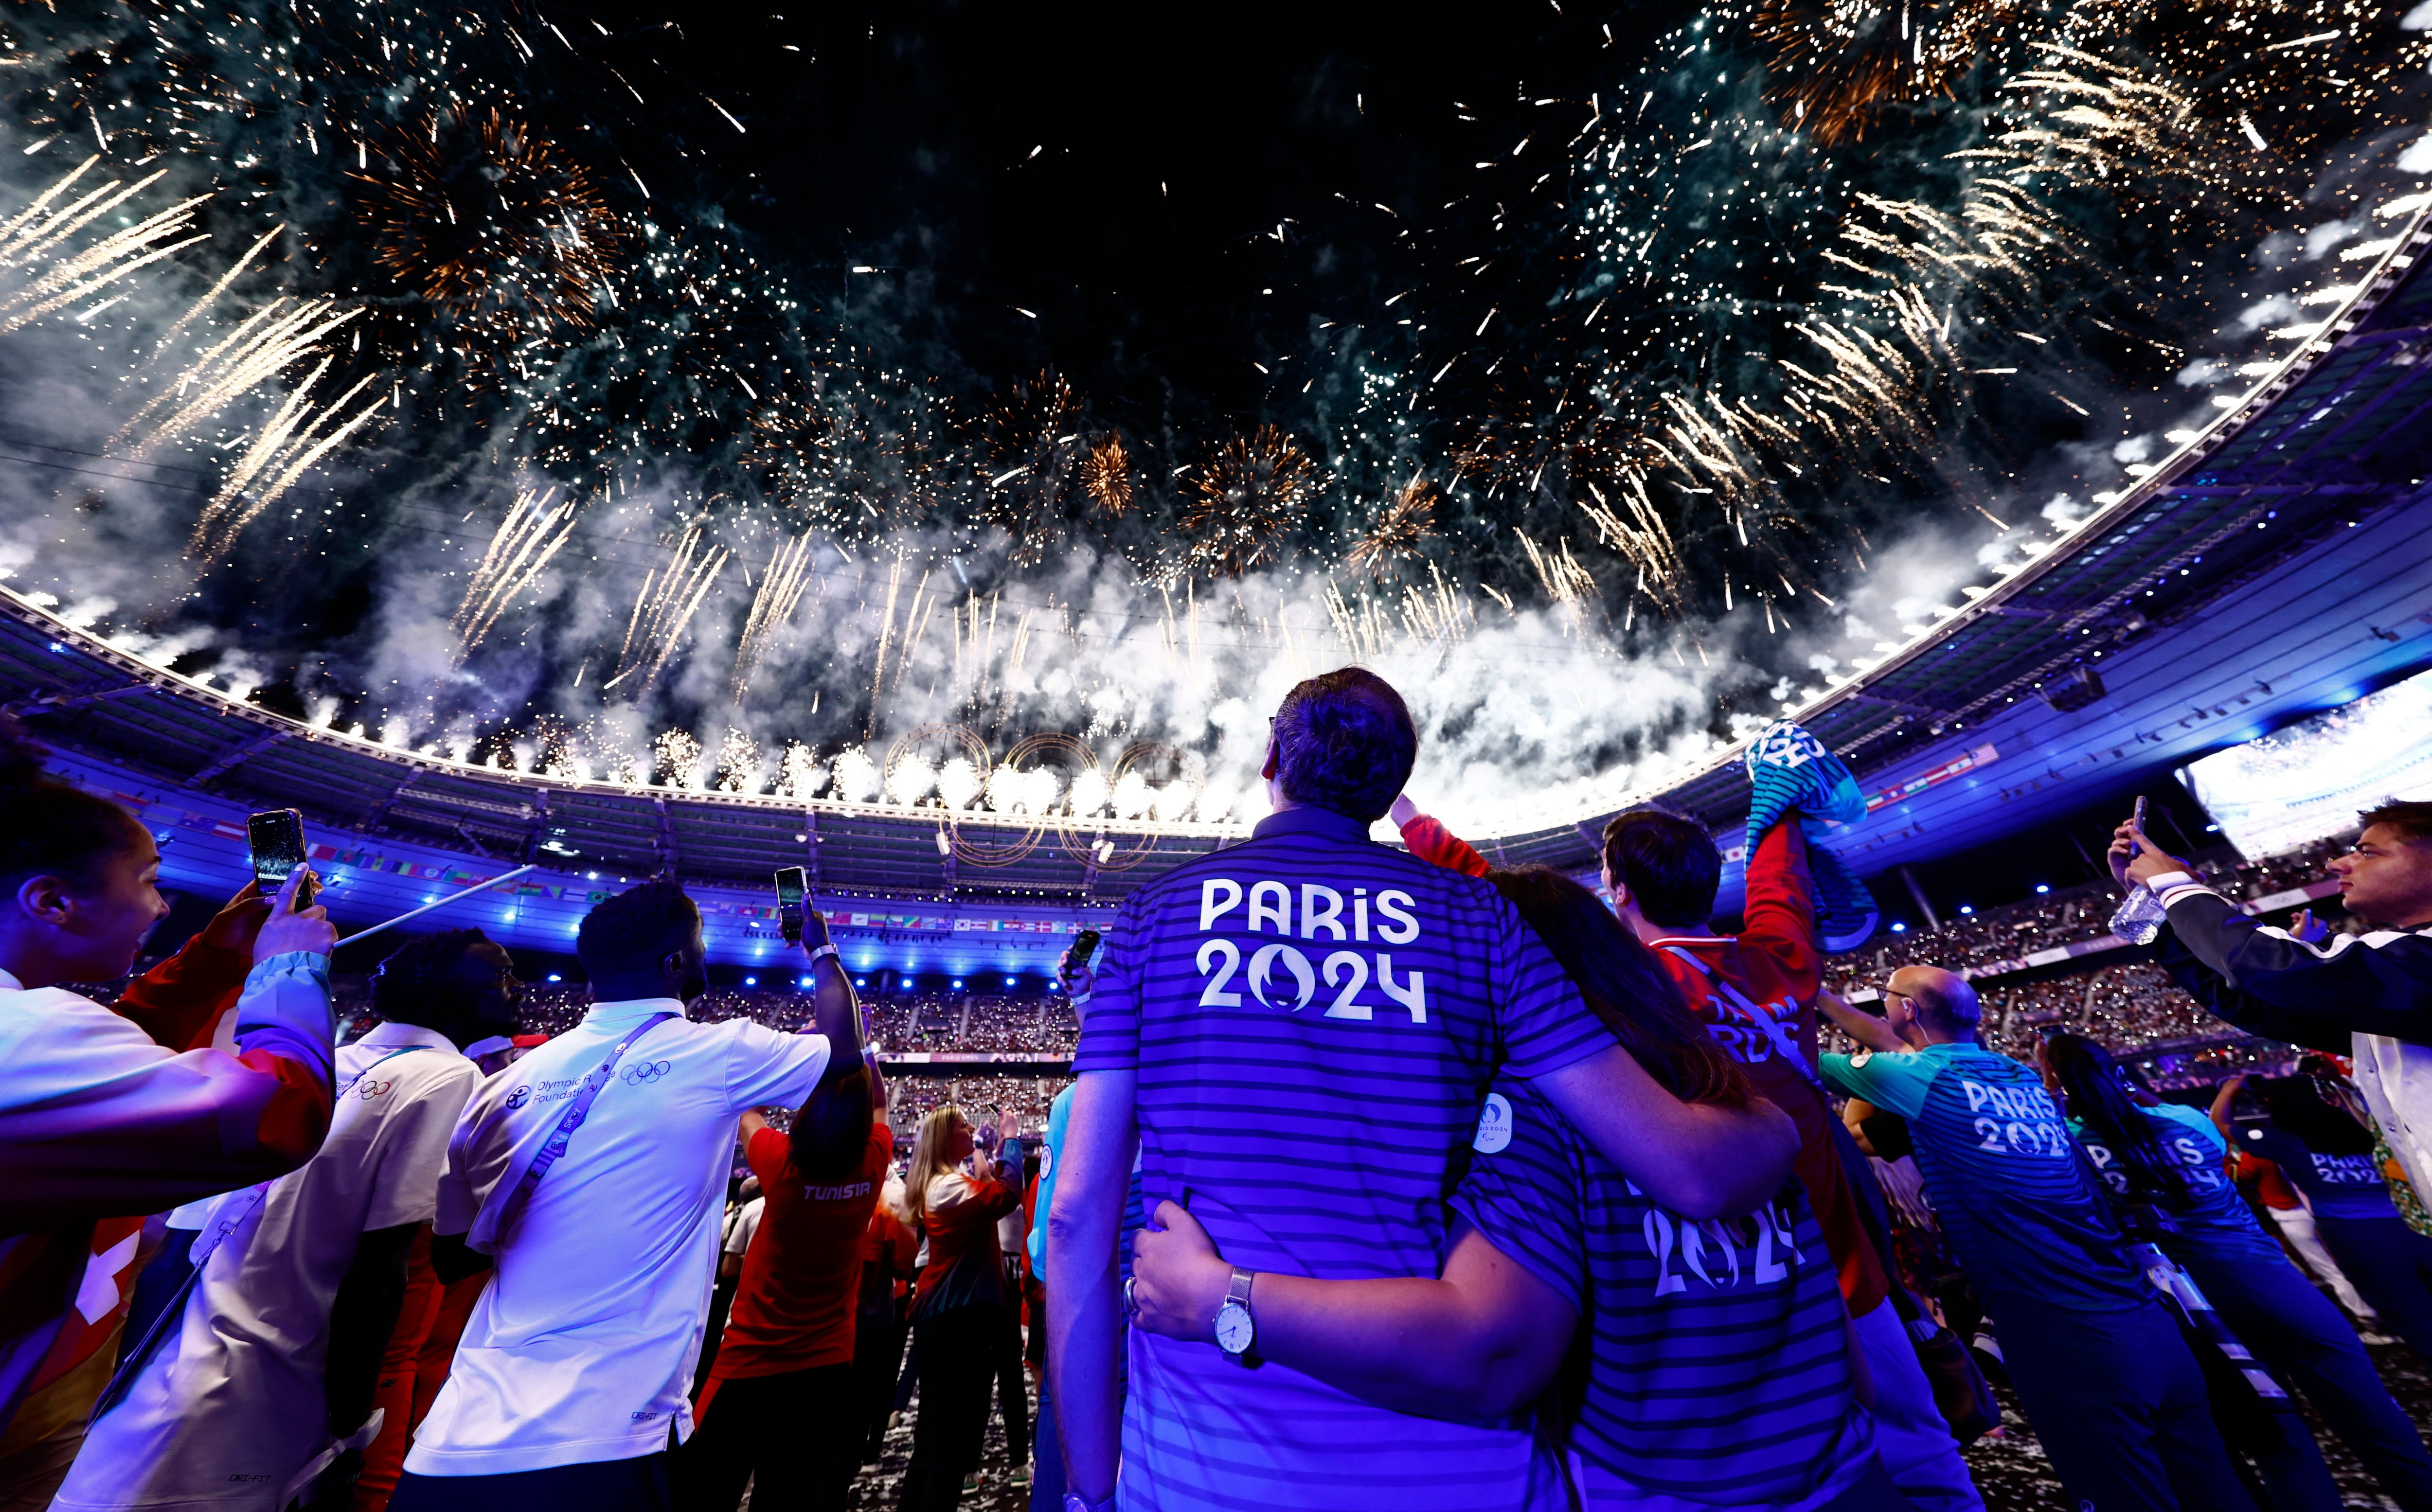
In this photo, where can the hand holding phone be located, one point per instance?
(292, 925)
(277, 839)
(793, 889)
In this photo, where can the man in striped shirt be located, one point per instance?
(1299, 1030)
(2115, 1398)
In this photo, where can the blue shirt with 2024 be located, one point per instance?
(2336, 1187)
(1314, 1020)
(2004, 1172)
(2214, 1221)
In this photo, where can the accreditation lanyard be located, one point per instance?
(554, 1147)
(1774, 1029)
(207, 1245)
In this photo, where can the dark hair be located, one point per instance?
(1669, 864)
(49, 827)
(2311, 1110)
(2097, 1089)
(1345, 742)
(831, 1127)
(2413, 820)
(633, 929)
(1625, 985)
(419, 982)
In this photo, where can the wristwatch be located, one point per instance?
(1236, 1330)
(1076, 1502)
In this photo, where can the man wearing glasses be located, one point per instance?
(2114, 1394)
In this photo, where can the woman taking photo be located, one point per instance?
(957, 1306)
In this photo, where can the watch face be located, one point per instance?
(1234, 1328)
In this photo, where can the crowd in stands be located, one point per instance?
(1544, 1167)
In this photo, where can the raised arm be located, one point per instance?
(834, 1011)
(1084, 1308)
(1858, 1024)
(1480, 1341)
(1779, 916)
(1699, 1159)
(1428, 839)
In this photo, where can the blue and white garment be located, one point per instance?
(1789, 770)
(1717, 1352)
(1314, 1020)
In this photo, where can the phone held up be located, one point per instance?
(1084, 951)
(2137, 818)
(276, 838)
(793, 889)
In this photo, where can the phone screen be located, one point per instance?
(1085, 945)
(793, 886)
(277, 838)
(2136, 817)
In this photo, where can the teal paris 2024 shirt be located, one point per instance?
(2005, 1179)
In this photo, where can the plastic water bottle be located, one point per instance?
(2139, 916)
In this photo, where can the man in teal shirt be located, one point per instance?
(2114, 1394)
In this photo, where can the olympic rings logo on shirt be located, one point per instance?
(374, 1089)
(645, 1071)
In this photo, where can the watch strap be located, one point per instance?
(1238, 1291)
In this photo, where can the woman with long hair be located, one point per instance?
(2171, 1157)
(2318, 1144)
(1682, 1335)
(957, 1305)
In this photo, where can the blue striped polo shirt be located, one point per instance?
(2216, 1224)
(2004, 1175)
(1718, 1368)
(1314, 1020)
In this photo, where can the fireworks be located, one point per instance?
(1033, 445)
(491, 222)
(1247, 498)
(532, 533)
(1108, 475)
(1838, 63)
(1407, 524)
(781, 589)
(44, 273)
(670, 595)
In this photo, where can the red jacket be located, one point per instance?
(1775, 969)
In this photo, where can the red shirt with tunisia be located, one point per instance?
(802, 1276)
(1775, 970)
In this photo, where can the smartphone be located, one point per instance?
(278, 841)
(793, 886)
(2137, 818)
(1085, 945)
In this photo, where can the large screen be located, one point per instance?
(2310, 779)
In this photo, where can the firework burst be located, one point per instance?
(1247, 498)
(1407, 524)
(491, 222)
(532, 533)
(1108, 476)
(1033, 444)
(1836, 64)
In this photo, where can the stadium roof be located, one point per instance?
(2303, 507)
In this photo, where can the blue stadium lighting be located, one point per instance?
(801, 982)
(752, 982)
(861, 982)
(1009, 981)
(958, 981)
(554, 977)
(2043, 888)
(1899, 928)
(1964, 909)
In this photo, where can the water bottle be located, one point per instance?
(2139, 916)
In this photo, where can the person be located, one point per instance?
(2267, 1187)
(2150, 1151)
(1691, 1331)
(890, 1261)
(109, 1113)
(958, 1307)
(780, 1411)
(1756, 991)
(2368, 995)
(1295, 1033)
(2115, 1396)
(592, 1174)
(262, 1382)
(2318, 1144)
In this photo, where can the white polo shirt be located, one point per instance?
(582, 1349)
(231, 1405)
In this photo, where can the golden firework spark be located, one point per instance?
(781, 589)
(532, 533)
(1407, 524)
(1033, 446)
(1108, 475)
(1837, 63)
(670, 594)
(42, 274)
(1245, 500)
(492, 223)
